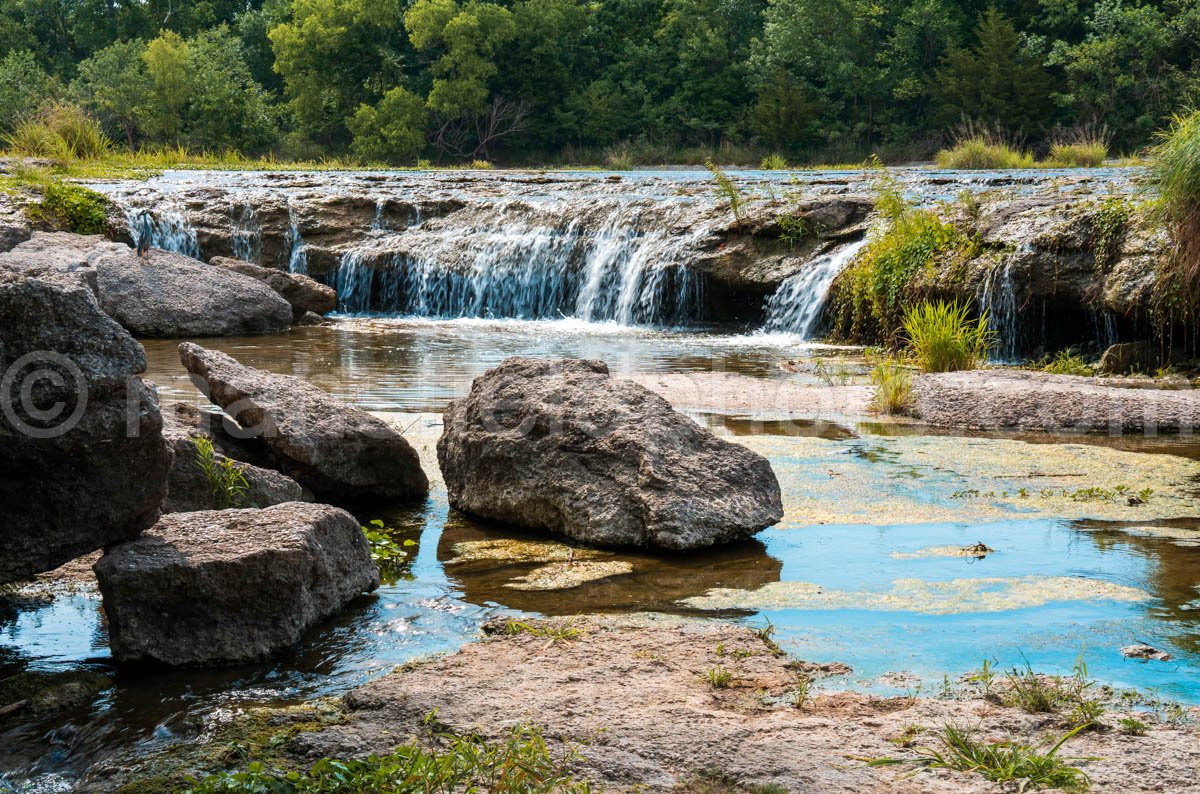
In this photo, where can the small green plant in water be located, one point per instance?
(384, 549)
(727, 189)
(943, 337)
(226, 480)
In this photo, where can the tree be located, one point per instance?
(24, 86)
(167, 62)
(114, 87)
(392, 130)
(227, 109)
(996, 81)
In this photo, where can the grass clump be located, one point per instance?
(1175, 169)
(1005, 761)
(72, 208)
(893, 387)
(59, 131)
(944, 338)
(1131, 726)
(519, 763)
(718, 677)
(1066, 362)
(553, 633)
(226, 480)
(727, 189)
(978, 153)
(774, 162)
(1078, 155)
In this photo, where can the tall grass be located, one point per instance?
(1081, 146)
(728, 189)
(774, 162)
(1175, 167)
(59, 131)
(893, 387)
(943, 337)
(978, 153)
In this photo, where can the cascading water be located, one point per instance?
(797, 304)
(297, 254)
(246, 238)
(167, 229)
(531, 270)
(998, 297)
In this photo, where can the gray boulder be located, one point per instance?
(303, 293)
(561, 446)
(83, 463)
(189, 489)
(334, 449)
(231, 586)
(162, 294)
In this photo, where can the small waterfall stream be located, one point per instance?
(797, 304)
(166, 227)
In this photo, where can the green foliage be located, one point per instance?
(167, 60)
(978, 153)
(1066, 362)
(554, 633)
(226, 480)
(893, 387)
(774, 162)
(385, 550)
(718, 677)
(944, 338)
(469, 37)
(520, 763)
(1130, 726)
(1078, 155)
(65, 206)
(1175, 167)
(24, 87)
(1108, 229)
(59, 131)
(1005, 761)
(392, 130)
(727, 189)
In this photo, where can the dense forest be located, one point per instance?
(572, 79)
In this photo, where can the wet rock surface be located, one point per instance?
(994, 399)
(561, 446)
(83, 463)
(189, 489)
(336, 450)
(231, 586)
(305, 295)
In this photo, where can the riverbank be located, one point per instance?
(663, 704)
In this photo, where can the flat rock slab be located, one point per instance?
(633, 696)
(561, 446)
(306, 295)
(163, 294)
(1021, 400)
(83, 463)
(336, 450)
(231, 586)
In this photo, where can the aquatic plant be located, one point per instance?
(226, 480)
(1066, 362)
(727, 189)
(893, 387)
(977, 153)
(1004, 761)
(447, 762)
(774, 162)
(385, 551)
(553, 633)
(943, 337)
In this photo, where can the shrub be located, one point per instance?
(68, 207)
(60, 131)
(774, 162)
(1078, 155)
(619, 157)
(482, 165)
(978, 153)
(893, 387)
(944, 338)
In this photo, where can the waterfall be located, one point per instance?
(797, 304)
(246, 238)
(528, 271)
(166, 227)
(297, 254)
(998, 297)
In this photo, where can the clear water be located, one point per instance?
(434, 606)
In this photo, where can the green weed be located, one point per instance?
(893, 387)
(718, 677)
(1005, 761)
(774, 162)
(727, 189)
(226, 480)
(978, 153)
(1066, 362)
(943, 337)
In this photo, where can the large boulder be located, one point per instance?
(83, 463)
(303, 293)
(231, 586)
(189, 488)
(163, 294)
(561, 446)
(336, 450)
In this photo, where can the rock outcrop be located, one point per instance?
(231, 586)
(162, 294)
(336, 450)
(303, 293)
(83, 463)
(561, 446)
(189, 488)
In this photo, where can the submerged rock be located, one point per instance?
(231, 586)
(163, 294)
(334, 449)
(1145, 652)
(189, 488)
(561, 446)
(305, 295)
(83, 463)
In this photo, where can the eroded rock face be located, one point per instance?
(189, 489)
(231, 586)
(163, 294)
(303, 293)
(561, 446)
(83, 463)
(334, 449)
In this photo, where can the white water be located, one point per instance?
(797, 304)
(166, 227)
